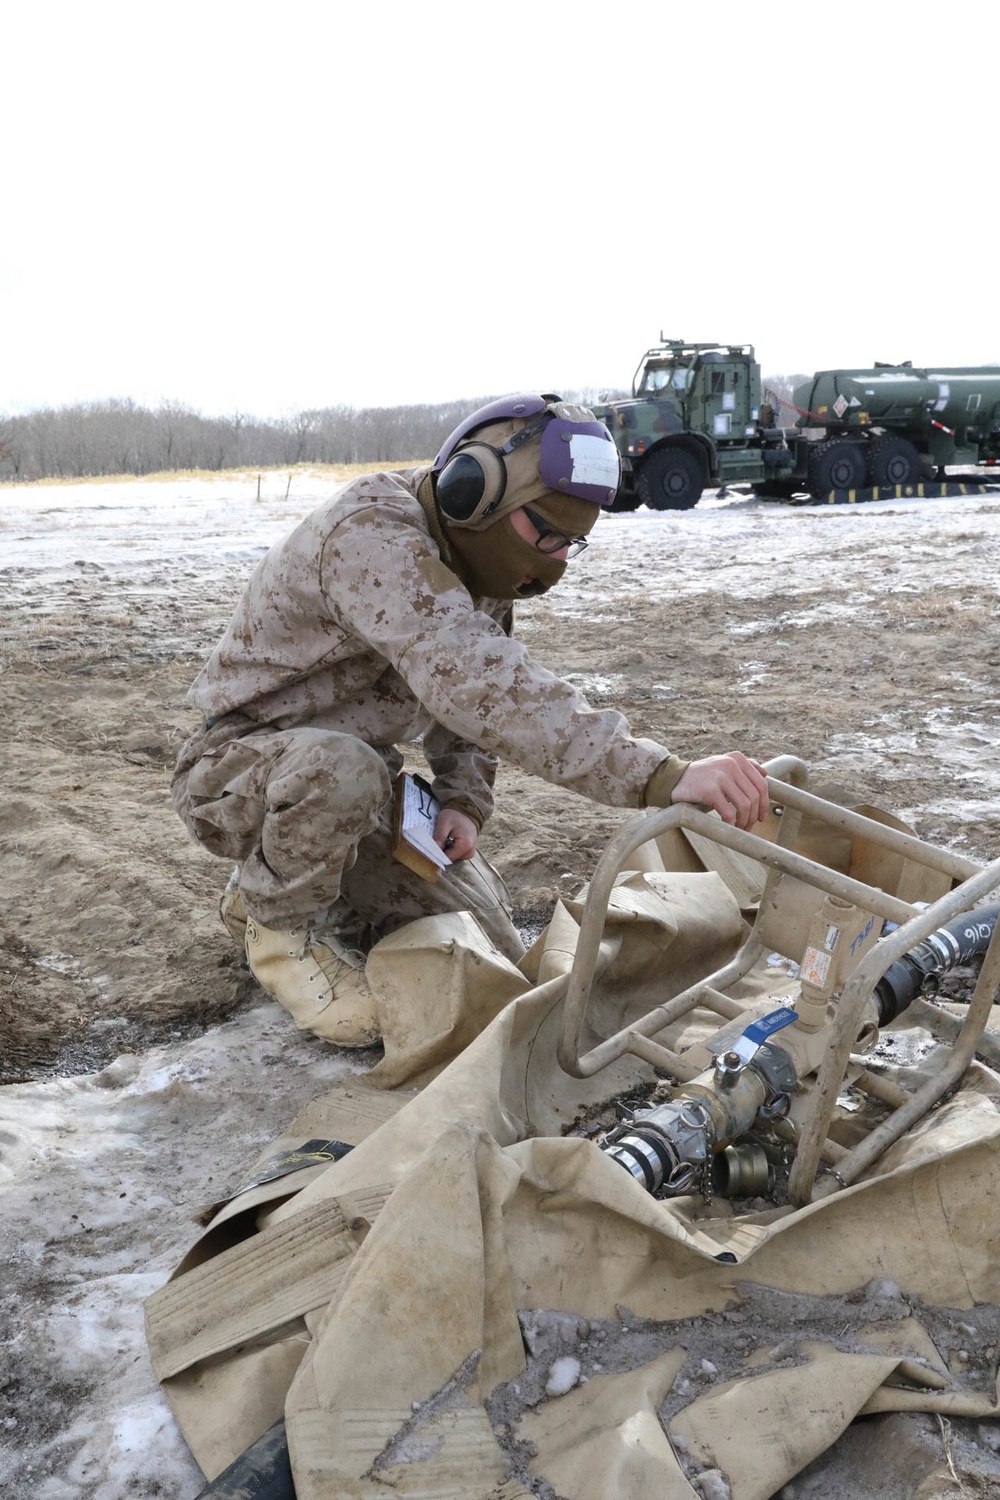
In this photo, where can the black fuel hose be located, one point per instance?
(948, 946)
(262, 1471)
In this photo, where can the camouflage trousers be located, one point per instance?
(307, 815)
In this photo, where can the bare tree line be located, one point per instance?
(121, 437)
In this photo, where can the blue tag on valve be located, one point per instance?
(758, 1031)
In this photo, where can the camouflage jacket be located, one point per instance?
(355, 622)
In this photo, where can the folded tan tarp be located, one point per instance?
(388, 1302)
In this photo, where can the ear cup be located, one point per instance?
(460, 487)
(472, 483)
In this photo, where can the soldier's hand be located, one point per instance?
(735, 787)
(456, 834)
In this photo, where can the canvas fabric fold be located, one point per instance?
(375, 1301)
(437, 983)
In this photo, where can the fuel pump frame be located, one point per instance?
(820, 1166)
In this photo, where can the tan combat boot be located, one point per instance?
(318, 979)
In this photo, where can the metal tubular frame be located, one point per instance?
(786, 783)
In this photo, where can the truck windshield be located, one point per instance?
(665, 377)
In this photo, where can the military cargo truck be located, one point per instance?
(698, 417)
(694, 420)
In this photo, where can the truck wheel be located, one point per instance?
(894, 461)
(624, 500)
(670, 479)
(836, 465)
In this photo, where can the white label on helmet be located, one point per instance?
(594, 460)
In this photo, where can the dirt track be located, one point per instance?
(864, 640)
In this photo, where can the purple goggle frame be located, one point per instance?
(577, 458)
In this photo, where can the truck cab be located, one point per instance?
(694, 419)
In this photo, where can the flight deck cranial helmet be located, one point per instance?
(523, 450)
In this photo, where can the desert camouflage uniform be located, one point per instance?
(352, 637)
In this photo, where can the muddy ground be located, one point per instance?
(863, 639)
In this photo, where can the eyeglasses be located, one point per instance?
(549, 540)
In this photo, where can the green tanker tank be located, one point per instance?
(894, 424)
(699, 418)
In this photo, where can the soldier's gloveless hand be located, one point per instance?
(456, 834)
(731, 784)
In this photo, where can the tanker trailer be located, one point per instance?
(894, 424)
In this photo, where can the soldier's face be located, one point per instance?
(529, 533)
(514, 558)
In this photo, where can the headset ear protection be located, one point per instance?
(472, 483)
(577, 456)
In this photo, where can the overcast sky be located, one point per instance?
(263, 208)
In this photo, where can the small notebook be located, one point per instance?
(414, 815)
